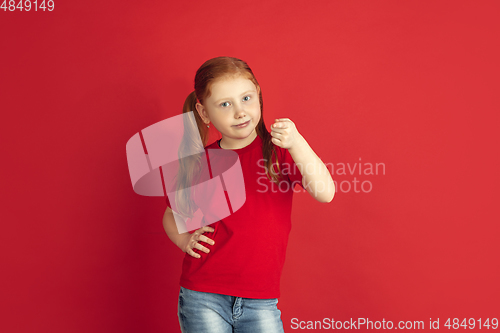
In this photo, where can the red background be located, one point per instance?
(413, 85)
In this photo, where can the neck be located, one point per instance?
(237, 143)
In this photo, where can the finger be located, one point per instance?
(193, 254)
(204, 229)
(208, 229)
(279, 129)
(277, 133)
(207, 240)
(276, 141)
(279, 125)
(201, 247)
(283, 119)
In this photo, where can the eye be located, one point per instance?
(222, 104)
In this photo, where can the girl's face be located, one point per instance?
(233, 101)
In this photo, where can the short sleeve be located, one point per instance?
(290, 169)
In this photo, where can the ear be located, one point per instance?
(202, 112)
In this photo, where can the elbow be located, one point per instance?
(331, 195)
(333, 191)
(326, 199)
(322, 195)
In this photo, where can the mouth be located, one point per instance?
(242, 124)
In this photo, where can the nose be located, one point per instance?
(239, 111)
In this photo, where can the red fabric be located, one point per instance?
(250, 245)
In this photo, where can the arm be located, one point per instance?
(186, 241)
(171, 229)
(315, 176)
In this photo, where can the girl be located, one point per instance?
(230, 275)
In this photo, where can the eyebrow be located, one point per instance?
(221, 99)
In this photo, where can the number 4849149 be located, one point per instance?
(27, 5)
(471, 323)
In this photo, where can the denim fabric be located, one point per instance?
(201, 312)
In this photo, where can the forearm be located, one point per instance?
(171, 229)
(315, 176)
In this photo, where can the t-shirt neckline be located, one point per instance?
(252, 145)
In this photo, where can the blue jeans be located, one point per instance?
(201, 312)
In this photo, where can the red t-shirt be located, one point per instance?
(250, 245)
